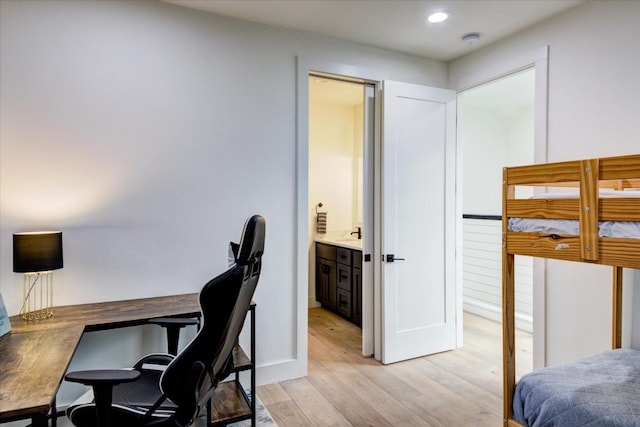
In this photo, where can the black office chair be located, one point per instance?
(173, 325)
(174, 396)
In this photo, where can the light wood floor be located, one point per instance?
(343, 388)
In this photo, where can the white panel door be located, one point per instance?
(418, 286)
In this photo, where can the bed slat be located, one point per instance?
(621, 168)
(543, 208)
(609, 209)
(613, 251)
(620, 184)
(619, 209)
(544, 174)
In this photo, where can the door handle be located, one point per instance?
(392, 258)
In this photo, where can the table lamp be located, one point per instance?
(37, 254)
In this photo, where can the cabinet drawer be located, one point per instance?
(344, 276)
(326, 251)
(344, 256)
(344, 303)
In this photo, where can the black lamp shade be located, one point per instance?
(37, 251)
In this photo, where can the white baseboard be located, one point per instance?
(494, 313)
(280, 371)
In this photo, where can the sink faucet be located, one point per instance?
(359, 232)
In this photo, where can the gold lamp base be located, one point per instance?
(37, 289)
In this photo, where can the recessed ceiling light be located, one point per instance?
(437, 17)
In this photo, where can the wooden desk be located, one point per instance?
(35, 355)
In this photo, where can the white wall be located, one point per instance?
(520, 137)
(331, 165)
(485, 142)
(332, 133)
(495, 129)
(594, 103)
(147, 133)
(358, 165)
(491, 137)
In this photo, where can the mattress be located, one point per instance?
(626, 229)
(598, 391)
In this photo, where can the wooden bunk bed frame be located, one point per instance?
(589, 176)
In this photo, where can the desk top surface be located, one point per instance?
(34, 356)
(113, 314)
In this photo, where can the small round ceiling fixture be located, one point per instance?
(438, 17)
(471, 38)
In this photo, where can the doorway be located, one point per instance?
(411, 117)
(495, 129)
(408, 307)
(338, 135)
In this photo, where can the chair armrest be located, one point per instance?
(174, 321)
(103, 377)
(102, 382)
(173, 326)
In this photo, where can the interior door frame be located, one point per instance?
(537, 59)
(305, 67)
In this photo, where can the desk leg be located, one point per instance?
(39, 420)
(253, 368)
(54, 413)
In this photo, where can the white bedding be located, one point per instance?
(575, 193)
(626, 229)
(602, 390)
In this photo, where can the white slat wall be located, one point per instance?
(482, 273)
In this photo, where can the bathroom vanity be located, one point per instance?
(339, 278)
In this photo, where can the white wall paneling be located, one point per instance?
(482, 273)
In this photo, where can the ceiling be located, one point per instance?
(394, 24)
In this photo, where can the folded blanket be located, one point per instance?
(598, 391)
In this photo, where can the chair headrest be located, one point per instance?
(252, 240)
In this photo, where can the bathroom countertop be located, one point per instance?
(349, 243)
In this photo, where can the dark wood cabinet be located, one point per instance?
(326, 292)
(339, 280)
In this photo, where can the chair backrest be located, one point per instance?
(191, 377)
